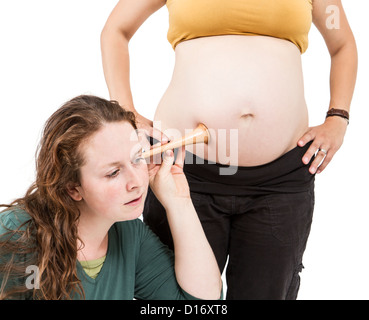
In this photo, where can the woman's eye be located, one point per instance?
(113, 174)
(138, 160)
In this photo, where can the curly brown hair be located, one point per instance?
(49, 238)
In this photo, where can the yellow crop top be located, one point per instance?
(285, 19)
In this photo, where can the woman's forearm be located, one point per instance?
(115, 58)
(196, 268)
(343, 76)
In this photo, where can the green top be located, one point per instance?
(137, 264)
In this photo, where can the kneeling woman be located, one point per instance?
(78, 223)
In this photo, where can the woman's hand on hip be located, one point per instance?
(327, 139)
(145, 125)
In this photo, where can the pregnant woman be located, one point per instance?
(238, 70)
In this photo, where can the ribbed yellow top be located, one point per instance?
(284, 19)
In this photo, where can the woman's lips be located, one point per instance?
(134, 202)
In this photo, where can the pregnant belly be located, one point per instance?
(252, 101)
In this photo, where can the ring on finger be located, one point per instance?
(323, 150)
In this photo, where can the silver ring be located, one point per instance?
(323, 150)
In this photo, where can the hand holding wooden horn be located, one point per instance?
(199, 135)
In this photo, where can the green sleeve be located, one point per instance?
(11, 220)
(5, 224)
(8, 223)
(155, 276)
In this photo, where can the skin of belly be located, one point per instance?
(248, 91)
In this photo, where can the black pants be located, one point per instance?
(259, 218)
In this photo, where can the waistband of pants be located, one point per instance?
(286, 174)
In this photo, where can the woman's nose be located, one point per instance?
(133, 179)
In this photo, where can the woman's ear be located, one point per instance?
(73, 191)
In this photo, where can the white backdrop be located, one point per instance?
(50, 52)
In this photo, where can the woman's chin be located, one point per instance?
(134, 214)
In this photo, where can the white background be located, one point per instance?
(50, 52)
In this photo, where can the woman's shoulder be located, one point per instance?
(12, 219)
(135, 230)
(132, 226)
